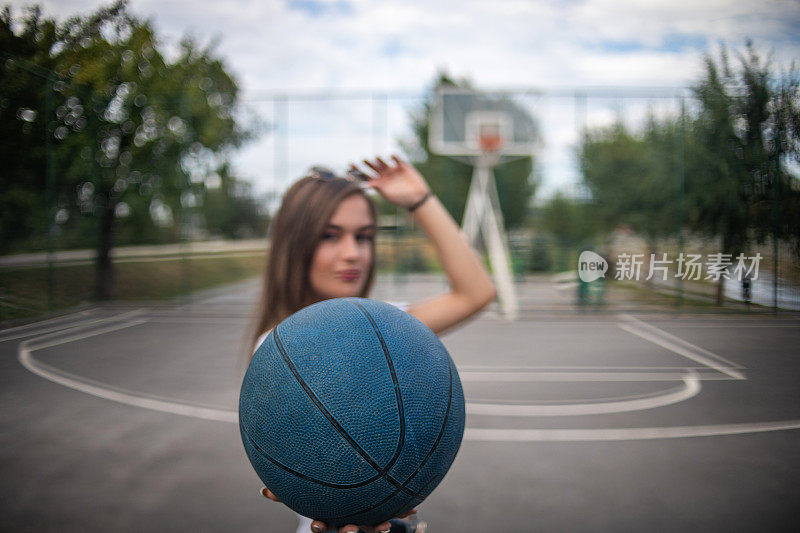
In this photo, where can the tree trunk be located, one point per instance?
(104, 280)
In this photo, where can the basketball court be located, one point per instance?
(123, 418)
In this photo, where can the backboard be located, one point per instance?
(466, 122)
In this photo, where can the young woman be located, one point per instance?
(323, 246)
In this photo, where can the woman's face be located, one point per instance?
(343, 256)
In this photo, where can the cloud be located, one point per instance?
(301, 46)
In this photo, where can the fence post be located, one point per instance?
(49, 191)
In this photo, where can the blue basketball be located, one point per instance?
(351, 411)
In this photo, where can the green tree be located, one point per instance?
(23, 90)
(134, 134)
(746, 130)
(571, 223)
(632, 177)
(230, 210)
(717, 172)
(737, 146)
(786, 106)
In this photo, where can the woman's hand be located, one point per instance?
(320, 527)
(399, 183)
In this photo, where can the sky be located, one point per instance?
(385, 54)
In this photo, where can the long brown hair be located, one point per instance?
(295, 233)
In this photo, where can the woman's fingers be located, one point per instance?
(406, 515)
(385, 527)
(354, 168)
(265, 492)
(321, 527)
(379, 165)
(357, 173)
(370, 165)
(382, 163)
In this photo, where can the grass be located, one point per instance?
(641, 293)
(24, 291)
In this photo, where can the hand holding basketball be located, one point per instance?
(321, 527)
(399, 183)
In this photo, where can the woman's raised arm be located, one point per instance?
(471, 288)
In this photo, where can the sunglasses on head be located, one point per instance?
(324, 173)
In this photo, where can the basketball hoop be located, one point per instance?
(487, 132)
(490, 143)
(484, 129)
(465, 122)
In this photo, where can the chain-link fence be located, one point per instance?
(126, 195)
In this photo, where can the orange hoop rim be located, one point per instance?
(490, 143)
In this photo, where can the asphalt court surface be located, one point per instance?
(123, 418)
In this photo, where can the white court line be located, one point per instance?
(200, 320)
(673, 347)
(510, 368)
(691, 388)
(565, 324)
(596, 435)
(102, 390)
(685, 343)
(582, 400)
(74, 326)
(566, 377)
(43, 322)
(80, 325)
(738, 326)
(471, 434)
(31, 345)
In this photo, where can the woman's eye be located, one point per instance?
(366, 237)
(328, 236)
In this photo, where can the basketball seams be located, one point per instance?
(331, 419)
(410, 478)
(260, 421)
(395, 382)
(305, 477)
(441, 430)
(455, 452)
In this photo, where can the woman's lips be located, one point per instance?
(349, 275)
